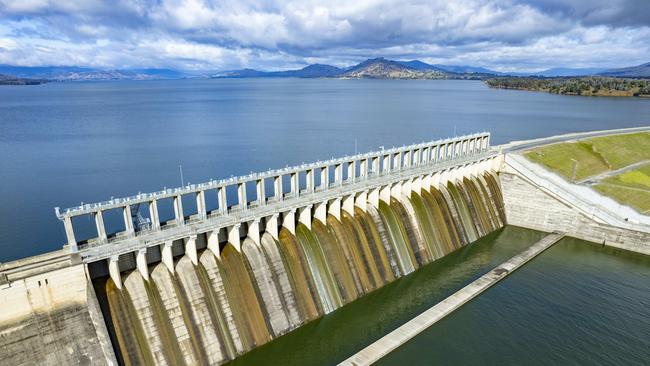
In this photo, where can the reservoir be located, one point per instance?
(63, 143)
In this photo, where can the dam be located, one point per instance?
(204, 273)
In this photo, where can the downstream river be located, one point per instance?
(578, 303)
(66, 143)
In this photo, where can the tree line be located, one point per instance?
(575, 85)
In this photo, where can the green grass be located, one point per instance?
(637, 178)
(623, 150)
(628, 188)
(638, 200)
(594, 156)
(559, 157)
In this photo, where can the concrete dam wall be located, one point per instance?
(230, 302)
(209, 285)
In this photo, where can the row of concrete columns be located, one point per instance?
(305, 215)
(357, 169)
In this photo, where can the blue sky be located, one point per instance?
(274, 34)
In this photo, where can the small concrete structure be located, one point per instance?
(415, 326)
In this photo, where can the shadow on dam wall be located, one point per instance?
(230, 302)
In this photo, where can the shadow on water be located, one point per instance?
(577, 303)
(336, 336)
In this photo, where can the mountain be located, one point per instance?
(463, 69)
(567, 71)
(73, 73)
(311, 71)
(641, 71)
(381, 68)
(13, 80)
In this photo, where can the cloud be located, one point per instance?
(228, 34)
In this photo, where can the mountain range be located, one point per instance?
(376, 68)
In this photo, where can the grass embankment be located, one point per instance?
(600, 155)
(631, 188)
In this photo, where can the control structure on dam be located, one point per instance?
(246, 259)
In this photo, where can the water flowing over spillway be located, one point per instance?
(221, 305)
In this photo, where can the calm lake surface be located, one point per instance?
(64, 143)
(576, 304)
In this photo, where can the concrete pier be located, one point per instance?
(413, 327)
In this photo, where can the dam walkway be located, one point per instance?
(406, 332)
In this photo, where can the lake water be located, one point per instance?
(64, 143)
(576, 304)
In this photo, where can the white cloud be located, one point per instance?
(230, 34)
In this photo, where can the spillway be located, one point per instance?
(212, 308)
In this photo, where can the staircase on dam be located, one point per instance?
(277, 249)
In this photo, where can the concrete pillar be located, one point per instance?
(233, 236)
(69, 233)
(363, 169)
(334, 208)
(348, 205)
(178, 210)
(128, 221)
(373, 197)
(101, 230)
(361, 201)
(277, 188)
(289, 221)
(396, 191)
(222, 200)
(153, 215)
(200, 205)
(407, 158)
(397, 161)
(320, 212)
(386, 164)
(425, 182)
(241, 196)
(352, 171)
(166, 255)
(190, 249)
(114, 271)
(295, 185)
(272, 225)
(141, 263)
(310, 180)
(304, 216)
(375, 165)
(425, 155)
(338, 174)
(407, 188)
(384, 194)
(254, 231)
(261, 192)
(416, 185)
(325, 177)
(213, 242)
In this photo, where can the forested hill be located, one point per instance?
(589, 86)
